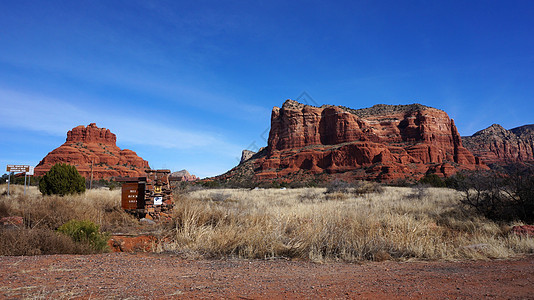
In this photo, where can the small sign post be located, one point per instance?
(8, 182)
(29, 173)
(17, 169)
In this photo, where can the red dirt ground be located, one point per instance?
(153, 276)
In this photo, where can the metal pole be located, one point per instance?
(91, 182)
(8, 183)
(24, 183)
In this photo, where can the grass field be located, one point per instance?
(395, 224)
(399, 223)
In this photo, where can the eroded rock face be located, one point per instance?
(384, 142)
(97, 146)
(496, 145)
(184, 175)
(246, 155)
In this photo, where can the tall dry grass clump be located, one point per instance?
(100, 206)
(393, 223)
(43, 215)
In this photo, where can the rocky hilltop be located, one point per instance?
(97, 146)
(384, 142)
(184, 175)
(496, 145)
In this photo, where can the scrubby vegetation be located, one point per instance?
(499, 197)
(62, 179)
(308, 224)
(85, 232)
(340, 222)
(43, 215)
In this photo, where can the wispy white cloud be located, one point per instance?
(55, 117)
(38, 113)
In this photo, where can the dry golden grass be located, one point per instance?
(100, 206)
(43, 215)
(399, 224)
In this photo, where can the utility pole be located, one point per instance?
(91, 182)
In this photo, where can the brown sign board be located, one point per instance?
(133, 195)
(18, 168)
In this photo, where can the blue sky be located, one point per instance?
(189, 84)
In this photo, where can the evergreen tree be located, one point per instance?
(62, 179)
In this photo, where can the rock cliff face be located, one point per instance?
(184, 175)
(496, 145)
(384, 142)
(246, 155)
(92, 145)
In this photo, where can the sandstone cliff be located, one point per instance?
(184, 175)
(97, 146)
(496, 145)
(384, 142)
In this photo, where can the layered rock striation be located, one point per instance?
(184, 175)
(496, 145)
(384, 142)
(90, 145)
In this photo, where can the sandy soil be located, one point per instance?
(153, 276)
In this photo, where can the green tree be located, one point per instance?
(62, 179)
(432, 180)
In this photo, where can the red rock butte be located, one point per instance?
(384, 142)
(97, 146)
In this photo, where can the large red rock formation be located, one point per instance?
(384, 142)
(97, 146)
(496, 145)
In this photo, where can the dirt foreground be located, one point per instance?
(152, 276)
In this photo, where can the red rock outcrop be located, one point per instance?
(524, 230)
(496, 145)
(184, 175)
(142, 243)
(384, 142)
(97, 146)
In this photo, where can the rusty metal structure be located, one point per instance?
(148, 197)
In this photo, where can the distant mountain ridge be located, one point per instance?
(497, 145)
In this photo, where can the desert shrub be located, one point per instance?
(358, 188)
(4, 178)
(38, 241)
(62, 179)
(499, 197)
(310, 195)
(367, 187)
(210, 184)
(419, 191)
(4, 209)
(432, 180)
(338, 186)
(219, 196)
(85, 232)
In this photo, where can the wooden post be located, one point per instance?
(91, 182)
